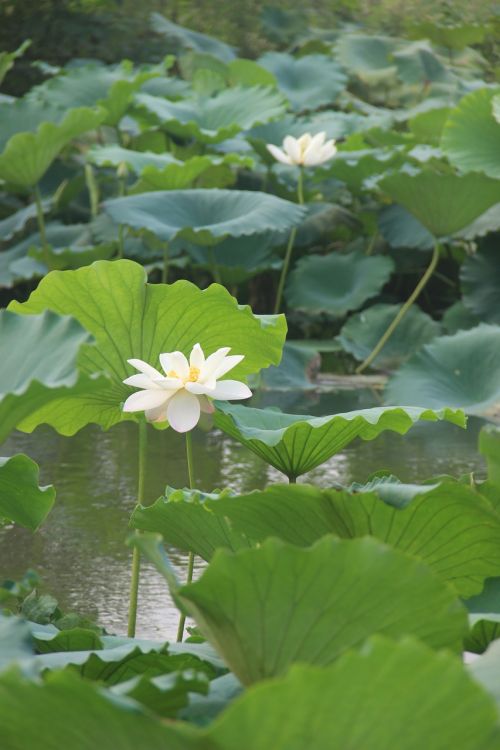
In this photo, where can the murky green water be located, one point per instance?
(80, 551)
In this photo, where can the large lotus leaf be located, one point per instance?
(27, 156)
(80, 714)
(336, 283)
(205, 216)
(363, 330)
(24, 115)
(355, 167)
(238, 259)
(364, 54)
(401, 229)
(185, 520)
(84, 86)
(452, 36)
(265, 608)
(480, 281)
(428, 126)
(205, 171)
(450, 527)
(295, 444)
(113, 156)
(242, 72)
(130, 318)
(14, 223)
(21, 499)
(443, 203)
(417, 63)
(460, 371)
(191, 40)
(471, 135)
(367, 700)
(40, 356)
(214, 119)
(308, 82)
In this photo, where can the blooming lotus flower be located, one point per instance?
(185, 390)
(306, 151)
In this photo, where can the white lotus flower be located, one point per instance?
(306, 151)
(185, 390)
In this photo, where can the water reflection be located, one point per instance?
(80, 551)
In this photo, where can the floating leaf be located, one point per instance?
(40, 356)
(363, 330)
(27, 156)
(443, 203)
(460, 371)
(308, 82)
(449, 526)
(132, 319)
(471, 135)
(205, 216)
(22, 501)
(295, 444)
(240, 600)
(216, 118)
(480, 281)
(336, 283)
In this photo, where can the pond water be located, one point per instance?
(80, 552)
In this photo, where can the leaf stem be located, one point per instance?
(190, 569)
(136, 555)
(166, 259)
(41, 226)
(289, 247)
(402, 312)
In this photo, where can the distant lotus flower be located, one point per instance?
(186, 388)
(306, 151)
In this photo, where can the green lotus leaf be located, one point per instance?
(238, 259)
(165, 694)
(22, 501)
(443, 203)
(308, 82)
(417, 63)
(239, 601)
(336, 283)
(205, 216)
(341, 706)
(364, 54)
(185, 521)
(295, 444)
(364, 329)
(132, 319)
(191, 40)
(428, 126)
(480, 281)
(14, 223)
(448, 526)
(16, 642)
(216, 118)
(471, 135)
(25, 115)
(460, 371)
(456, 36)
(113, 156)
(7, 59)
(27, 156)
(354, 167)
(401, 229)
(458, 318)
(206, 170)
(112, 87)
(489, 447)
(81, 713)
(243, 72)
(40, 356)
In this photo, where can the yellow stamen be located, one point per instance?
(194, 373)
(172, 374)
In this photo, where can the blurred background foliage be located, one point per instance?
(111, 30)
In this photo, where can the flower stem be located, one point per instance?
(164, 273)
(136, 555)
(402, 312)
(189, 456)
(41, 226)
(213, 265)
(289, 247)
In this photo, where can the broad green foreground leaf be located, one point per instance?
(295, 444)
(205, 216)
(27, 156)
(308, 82)
(363, 330)
(336, 283)
(21, 499)
(460, 371)
(40, 356)
(449, 527)
(265, 608)
(132, 319)
(214, 119)
(471, 135)
(443, 203)
(334, 708)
